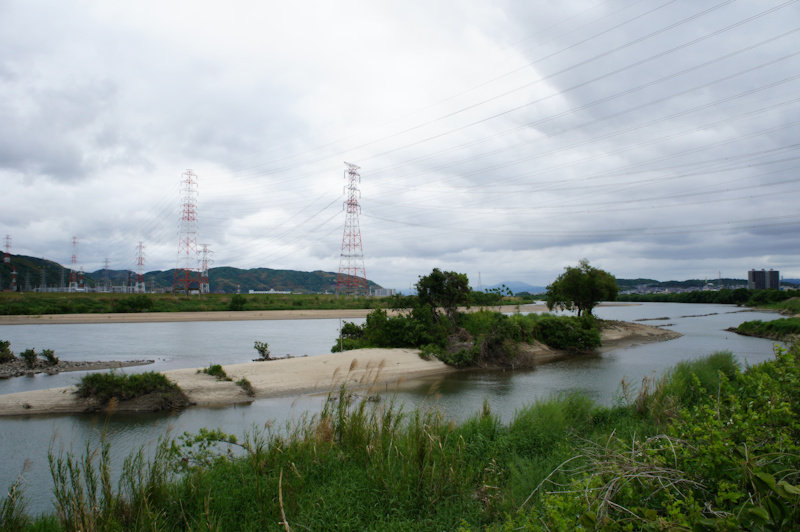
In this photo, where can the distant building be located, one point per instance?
(270, 291)
(762, 279)
(382, 292)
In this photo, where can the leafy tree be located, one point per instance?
(581, 288)
(445, 290)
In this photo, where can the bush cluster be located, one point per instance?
(6, 355)
(102, 387)
(482, 335)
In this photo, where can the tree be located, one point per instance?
(445, 290)
(581, 288)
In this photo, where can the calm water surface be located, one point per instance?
(198, 344)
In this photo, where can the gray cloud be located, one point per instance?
(513, 139)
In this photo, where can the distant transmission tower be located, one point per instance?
(352, 278)
(139, 288)
(187, 275)
(7, 260)
(205, 286)
(73, 273)
(43, 284)
(106, 284)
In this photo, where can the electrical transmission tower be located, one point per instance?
(352, 278)
(106, 284)
(187, 274)
(73, 273)
(7, 260)
(139, 288)
(205, 287)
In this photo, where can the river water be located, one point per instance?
(198, 344)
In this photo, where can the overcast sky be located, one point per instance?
(505, 140)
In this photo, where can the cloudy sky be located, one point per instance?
(503, 139)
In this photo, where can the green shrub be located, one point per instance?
(29, 356)
(6, 355)
(246, 386)
(102, 387)
(263, 350)
(215, 370)
(237, 303)
(49, 356)
(569, 333)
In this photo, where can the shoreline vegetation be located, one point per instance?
(782, 330)
(371, 370)
(707, 446)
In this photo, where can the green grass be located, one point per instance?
(709, 446)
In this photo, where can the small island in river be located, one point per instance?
(378, 370)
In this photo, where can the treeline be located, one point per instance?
(706, 447)
(33, 303)
(726, 296)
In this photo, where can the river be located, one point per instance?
(198, 344)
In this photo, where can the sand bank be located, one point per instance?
(244, 315)
(360, 369)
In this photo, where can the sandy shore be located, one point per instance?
(364, 369)
(361, 369)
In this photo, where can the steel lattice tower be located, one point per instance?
(205, 287)
(352, 278)
(187, 274)
(73, 273)
(139, 287)
(7, 260)
(106, 267)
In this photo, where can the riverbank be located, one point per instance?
(369, 370)
(244, 315)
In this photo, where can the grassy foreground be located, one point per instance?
(708, 447)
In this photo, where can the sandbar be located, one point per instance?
(244, 315)
(362, 369)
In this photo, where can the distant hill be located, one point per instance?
(29, 272)
(630, 284)
(224, 279)
(519, 286)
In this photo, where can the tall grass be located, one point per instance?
(707, 443)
